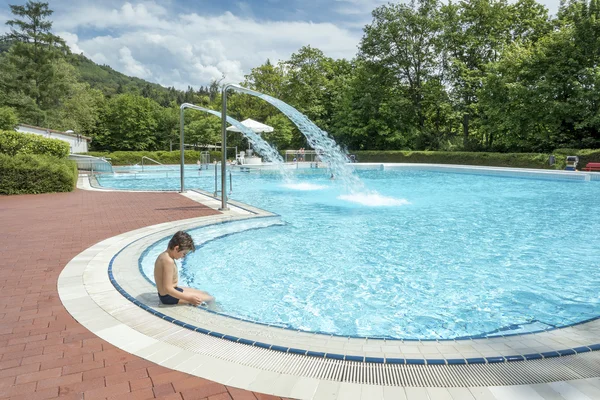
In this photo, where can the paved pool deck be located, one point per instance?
(44, 352)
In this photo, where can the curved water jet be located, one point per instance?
(329, 150)
(261, 146)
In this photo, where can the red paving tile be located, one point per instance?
(238, 394)
(44, 352)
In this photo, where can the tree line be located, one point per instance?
(479, 75)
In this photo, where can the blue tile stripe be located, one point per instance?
(377, 360)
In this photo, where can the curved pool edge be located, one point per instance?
(473, 350)
(88, 294)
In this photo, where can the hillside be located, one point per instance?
(112, 82)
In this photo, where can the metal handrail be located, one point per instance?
(148, 158)
(93, 164)
(154, 161)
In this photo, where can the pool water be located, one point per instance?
(435, 256)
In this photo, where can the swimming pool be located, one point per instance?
(439, 255)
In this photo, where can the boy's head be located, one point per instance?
(182, 243)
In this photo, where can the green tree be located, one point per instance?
(268, 79)
(403, 38)
(283, 129)
(127, 122)
(203, 129)
(475, 34)
(307, 73)
(35, 61)
(33, 28)
(401, 72)
(546, 94)
(79, 111)
(370, 111)
(167, 127)
(529, 22)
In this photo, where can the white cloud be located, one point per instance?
(357, 7)
(3, 27)
(130, 16)
(132, 66)
(71, 39)
(192, 49)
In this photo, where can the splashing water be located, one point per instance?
(329, 151)
(258, 143)
(332, 154)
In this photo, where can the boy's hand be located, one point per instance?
(195, 300)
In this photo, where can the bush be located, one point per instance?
(163, 157)
(28, 173)
(8, 118)
(517, 160)
(13, 143)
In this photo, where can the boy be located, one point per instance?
(166, 276)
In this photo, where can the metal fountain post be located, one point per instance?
(224, 138)
(224, 149)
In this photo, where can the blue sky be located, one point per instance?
(185, 42)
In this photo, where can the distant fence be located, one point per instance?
(92, 164)
(301, 155)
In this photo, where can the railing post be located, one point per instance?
(182, 167)
(216, 185)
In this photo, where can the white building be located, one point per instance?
(77, 143)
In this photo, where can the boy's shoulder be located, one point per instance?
(163, 259)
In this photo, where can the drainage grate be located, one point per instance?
(579, 366)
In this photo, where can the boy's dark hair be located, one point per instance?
(183, 240)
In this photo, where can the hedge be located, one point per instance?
(164, 157)
(29, 173)
(13, 143)
(517, 160)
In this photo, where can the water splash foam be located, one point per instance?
(373, 200)
(304, 186)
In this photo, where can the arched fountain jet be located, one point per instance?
(329, 151)
(261, 146)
